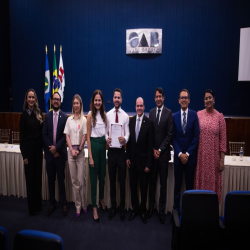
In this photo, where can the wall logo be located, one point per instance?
(144, 41)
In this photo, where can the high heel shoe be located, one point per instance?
(85, 210)
(78, 214)
(97, 219)
(101, 206)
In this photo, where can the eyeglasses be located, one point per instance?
(56, 99)
(183, 97)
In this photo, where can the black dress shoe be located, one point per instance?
(132, 216)
(112, 214)
(65, 210)
(103, 209)
(162, 218)
(150, 212)
(122, 214)
(144, 218)
(96, 220)
(51, 209)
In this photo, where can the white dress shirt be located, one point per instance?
(123, 120)
(160, 112)
(57, 113)
(141, 118)
(186, 111)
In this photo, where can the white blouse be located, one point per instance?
(75, 128)
(100, 128)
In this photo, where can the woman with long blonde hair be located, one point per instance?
(76, 134)
(31, 148)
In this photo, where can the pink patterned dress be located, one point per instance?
(212, 141)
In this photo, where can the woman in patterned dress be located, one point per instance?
(212, 147)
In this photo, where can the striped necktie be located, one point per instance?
(184, 124)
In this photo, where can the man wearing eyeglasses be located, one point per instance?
(55, 152)
(185, 142)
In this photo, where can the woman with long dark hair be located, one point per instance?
(31, 148)
(96, 130)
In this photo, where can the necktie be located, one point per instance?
(158, 116)
(54, 129)
(137, 129)
(184, 124)
(116, 117)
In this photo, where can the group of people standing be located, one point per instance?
(148, 143)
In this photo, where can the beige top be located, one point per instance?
(75, 129)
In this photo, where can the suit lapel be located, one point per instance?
(154, 117)
(133, 124)
(189, 117)
(162, 117)
(179, 122)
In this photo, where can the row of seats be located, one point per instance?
(5, 136)
(198, 226)
(31, 239)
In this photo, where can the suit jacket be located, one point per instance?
(140, 153)
(60, 136)
(187, 142)
(162, 132)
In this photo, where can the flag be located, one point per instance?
(55, 87)
(47, 88)
(61, 80)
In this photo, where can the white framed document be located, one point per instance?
(116, 131)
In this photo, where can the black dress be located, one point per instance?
(31, 149)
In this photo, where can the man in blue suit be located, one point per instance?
(185, 143)
(55, 152)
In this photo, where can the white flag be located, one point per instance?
(61, 82)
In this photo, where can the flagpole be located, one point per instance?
(46, 51)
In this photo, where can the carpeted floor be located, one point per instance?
(84, 232)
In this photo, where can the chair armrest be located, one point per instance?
(176, 218)
(221, 224)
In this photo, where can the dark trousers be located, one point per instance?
(117, 160)
(189, 179)
(143, 177)
(33, 176)
(54, 168)
(98, 149)
(162, 168)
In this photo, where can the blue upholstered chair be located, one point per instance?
(197, 226)
(3, 238)
(38, 240)
(236, 219)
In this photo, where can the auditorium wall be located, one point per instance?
(200, 50)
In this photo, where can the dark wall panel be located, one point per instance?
(200, 50)
(5, 73)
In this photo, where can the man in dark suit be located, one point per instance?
(163, 128)
(185, 142)
(55, 152)
(139, 155)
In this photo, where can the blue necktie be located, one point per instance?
(184, 124)
(137, 129)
